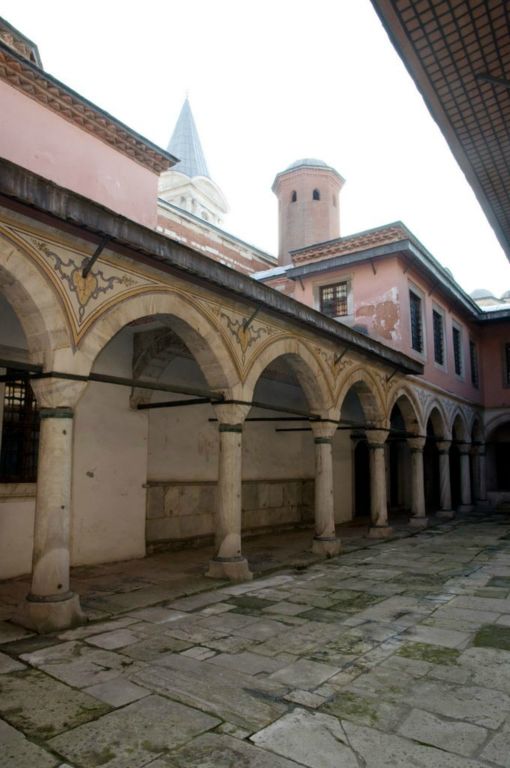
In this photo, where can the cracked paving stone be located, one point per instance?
(221, 751)
(450, 735)
(248, 702)
(9, 665)
(498, 748)
(364, 710)
(248, 663)
(311, 738)
(18, 752)
(304, 674)
(129, 737)
(43, 707)
(376, 749)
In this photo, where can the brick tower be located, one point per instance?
(308, 205)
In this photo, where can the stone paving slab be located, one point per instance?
(129, 737)
(246, 701)
(219, 751)
(43, 707)
(17, 752)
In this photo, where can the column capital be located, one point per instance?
(232, 414)
(443, 446)
(416, 444)
(54, 394)
(323, 431)
(464, 448)
(478, 449)
(376, 438)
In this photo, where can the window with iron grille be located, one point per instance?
(416, 322)
(334, 299)
(473, 359)
(507, 364)
(20, 432)
(457, 350)
(437, 322)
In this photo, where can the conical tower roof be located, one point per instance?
(185, 144)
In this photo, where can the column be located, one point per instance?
(465, 478)
(325, 541)
(379, 528)
(228, 561)
(479, 476)
(418, 515)
(445, 491)
(50, 604)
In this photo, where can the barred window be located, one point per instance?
(437, 322)
(20, 432)
(457, 350)
(416, 322)
(333, 299)
(473, 358)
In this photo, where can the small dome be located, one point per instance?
(310, 162)
(506, 296)
(482, 293)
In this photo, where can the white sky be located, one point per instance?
(271, 82)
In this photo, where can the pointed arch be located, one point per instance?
(200, 335)
(459, 427)
(34, 301)
(410, 408)
(368, 392)
(476, 429)
(436, 414)
(305, 365)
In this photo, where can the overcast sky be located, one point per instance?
(271, 82)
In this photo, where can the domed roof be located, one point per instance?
(481, 293)
(311, 162)
(506, 296)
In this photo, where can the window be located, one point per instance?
(20, 432)
(507, 364)
(457, 350)
(416, 322)
(334, 299)
(316, 195)
(438, 327)
(293, 197)
(473, 358)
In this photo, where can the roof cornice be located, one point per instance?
(31, 195)
(33, 82)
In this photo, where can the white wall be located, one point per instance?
(110, 466)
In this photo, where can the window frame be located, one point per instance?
(348, 297)
(418, 294)
(506, 364)
(456, 327)
(436, 309)
(474, 370)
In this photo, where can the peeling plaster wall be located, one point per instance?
(110, 466)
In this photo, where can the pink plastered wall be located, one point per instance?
(38, 139)
(497, 392)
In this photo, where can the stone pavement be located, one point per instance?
(396, 655)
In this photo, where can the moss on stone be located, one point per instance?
(493, 636)
(434, 654)
(351, 706)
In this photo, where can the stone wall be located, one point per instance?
(181, 514)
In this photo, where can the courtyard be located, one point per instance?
(394, 653)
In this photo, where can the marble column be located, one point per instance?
(50, 604)
(325, 541)
(445, 490)
(228, 561)
(379, 528)
(418, 514)
(465, 478)
(479, 476)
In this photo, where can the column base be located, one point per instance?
(418, 522)
(328, 546)
(465, 508)
(483, 504)
(379, 531)
(50, 616)
(445, 514)
(235, 569)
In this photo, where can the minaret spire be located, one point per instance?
(185, 144)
